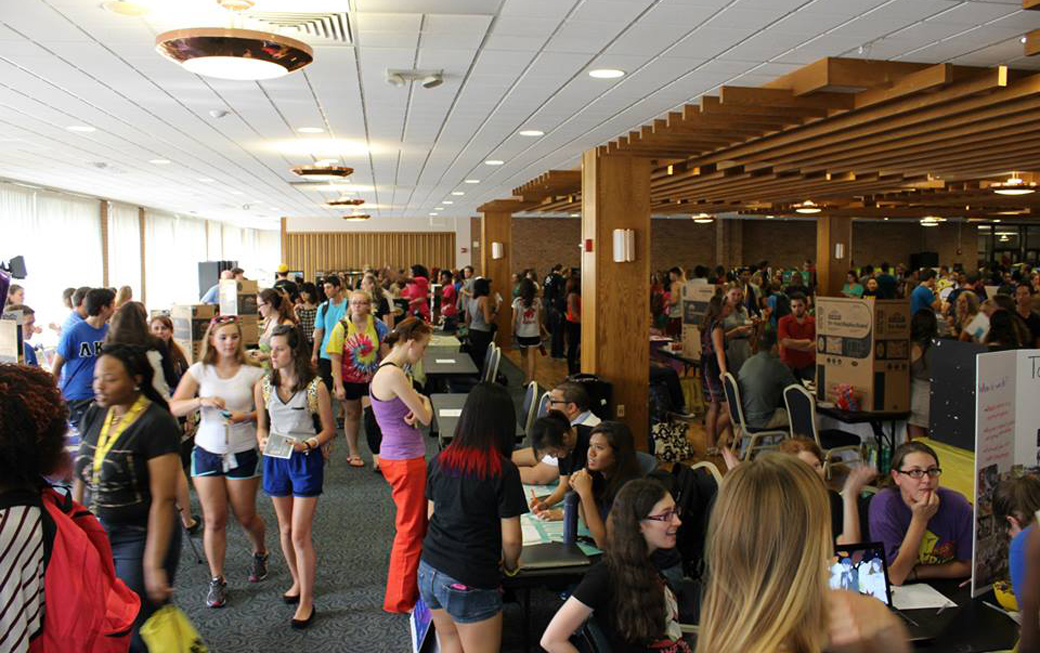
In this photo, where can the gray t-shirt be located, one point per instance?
(476, 316)
(763, 378)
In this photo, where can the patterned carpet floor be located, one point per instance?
(353, 530)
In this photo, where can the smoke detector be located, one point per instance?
(427, 78)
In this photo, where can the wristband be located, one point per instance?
(511, 573)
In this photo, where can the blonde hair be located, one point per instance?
(768, 542)
(208, 355)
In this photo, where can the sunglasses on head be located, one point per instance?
(224, 319)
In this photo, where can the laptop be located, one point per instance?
(863, 568)
(552, 554)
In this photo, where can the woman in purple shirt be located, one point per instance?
(402, 456)
(926, 529)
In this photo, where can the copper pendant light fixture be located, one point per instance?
(346, 201)
(323, 173)
(357, 217)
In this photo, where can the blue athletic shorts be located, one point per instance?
(299, 476)
(240, 466)
(464, 604)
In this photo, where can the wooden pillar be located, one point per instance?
(615, 297)
(104, 242)
(144, 285)
(497, 228)
(285, 244)
(833, 237)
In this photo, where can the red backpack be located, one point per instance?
(87, 608)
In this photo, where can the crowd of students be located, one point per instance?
(266, 418)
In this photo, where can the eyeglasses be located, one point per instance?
(553, 402)
(667, 515)
(918, 474)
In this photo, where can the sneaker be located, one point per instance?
(259, 570)
(217, 596)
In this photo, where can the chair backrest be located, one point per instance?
(543, 406)
(530, 404)
(801, 411)
(495, 358)
(647, 462)
(712, 468)
(736, 409)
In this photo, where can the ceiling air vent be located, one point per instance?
(331, 26)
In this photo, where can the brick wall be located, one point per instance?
(781, 242)
(681, 242)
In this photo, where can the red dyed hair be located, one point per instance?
(457, 460)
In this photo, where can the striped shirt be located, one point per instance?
(21, 576)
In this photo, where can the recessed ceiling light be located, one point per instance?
(237, 54)
(311, 130)
(471, 181)
(434, 213)
(493, 162)
(532, 132)
(438, 208)
(159, 162)
(1022, 40)
(81, 128)
(606, 73)
(457, 193)
(206, 180)
(447, 202)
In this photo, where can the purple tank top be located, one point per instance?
(400, 441)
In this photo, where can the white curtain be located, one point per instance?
(60, 237)
(173, 247)
(124, 247)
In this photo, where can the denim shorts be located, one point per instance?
(465, 605)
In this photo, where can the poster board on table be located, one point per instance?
(1007, 445)
(11, 350)
(694, 303)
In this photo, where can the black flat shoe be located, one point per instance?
(300, 624)
(291, 600)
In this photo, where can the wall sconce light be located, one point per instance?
(839, 251)
(498, 250)
(624, 245)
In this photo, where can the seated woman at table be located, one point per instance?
(475, 500)
(767, 570)
(926, 529)
(553, 435)
(635, 606)
(611, 464)
(1015, 503)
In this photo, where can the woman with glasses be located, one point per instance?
(926, 529)
(225, 464)
(634, 605)
(356, 346)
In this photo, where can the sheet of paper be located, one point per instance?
(445, 361)
(919, 596)
(530, 534)
(279, 446)
(450, 412)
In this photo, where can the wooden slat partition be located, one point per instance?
(314, 251)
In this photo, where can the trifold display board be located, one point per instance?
(695, 297)
(1007, 445)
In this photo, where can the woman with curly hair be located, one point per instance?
(639, 609)
(33, 421)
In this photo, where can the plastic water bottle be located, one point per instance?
(570, 517)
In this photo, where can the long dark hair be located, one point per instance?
(279, 303)
(301, 354)
(1002, 329)
(715, 305)
(626, 465)
(527, 292)
(129, 326)
(481, 287)
(135, 360)
(924, 327)
(484, 434)
(639, 609)
(177, 357)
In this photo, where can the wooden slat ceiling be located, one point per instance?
(859, 137)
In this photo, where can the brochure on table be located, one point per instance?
(1007, 445)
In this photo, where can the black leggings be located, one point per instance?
(373, 434)
(478, 345)
(573, 343)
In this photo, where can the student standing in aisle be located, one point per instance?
(399, 409)
(78, 350)
(329, 314)
(355, 347)
(129, 460)
(225, 464)
(449, 299)
(306, 311)
(293, 395)
(475, 500)
(481, 318)
(527, 327)
(573, 322)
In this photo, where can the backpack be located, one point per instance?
(88, 609)
(694, 491)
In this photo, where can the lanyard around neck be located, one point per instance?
(108, 436)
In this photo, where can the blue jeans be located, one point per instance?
(128, 553)
(465, 605)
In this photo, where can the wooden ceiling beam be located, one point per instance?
(1032, 46)
(923, 80)
(711, 105)
(837, 73)
(785, 98)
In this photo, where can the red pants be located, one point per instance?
(407, 480)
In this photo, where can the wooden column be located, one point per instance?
(497, 227)
(615, 297)
(832, 232)
(144, 285)
(285, 243)
(104, 242)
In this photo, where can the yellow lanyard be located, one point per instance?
(106, 440)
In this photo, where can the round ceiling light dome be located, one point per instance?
(236, 54)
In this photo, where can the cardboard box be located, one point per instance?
(250, 325)
(238, 297)
(694, 302)
(189, 327)
(864, 343)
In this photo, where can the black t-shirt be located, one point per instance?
(887, 286)
(464, 539)
(579, 456)
(596, 591)
(289, 287)
(123, 494)
(837, 513)
(1033, 322)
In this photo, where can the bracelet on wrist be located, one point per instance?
(512, 572)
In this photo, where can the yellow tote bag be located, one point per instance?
(170, 631)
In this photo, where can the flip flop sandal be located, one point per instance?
(355, 461)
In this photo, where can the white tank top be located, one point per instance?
(292, 418)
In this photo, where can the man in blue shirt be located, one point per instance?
(329, 313)
(78, 351)
(79, 311)
(212, 295)
(887, 284)
(923, 295)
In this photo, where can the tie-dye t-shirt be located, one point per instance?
(359, 348)
(947, 538)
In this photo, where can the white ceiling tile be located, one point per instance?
(583, 36)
